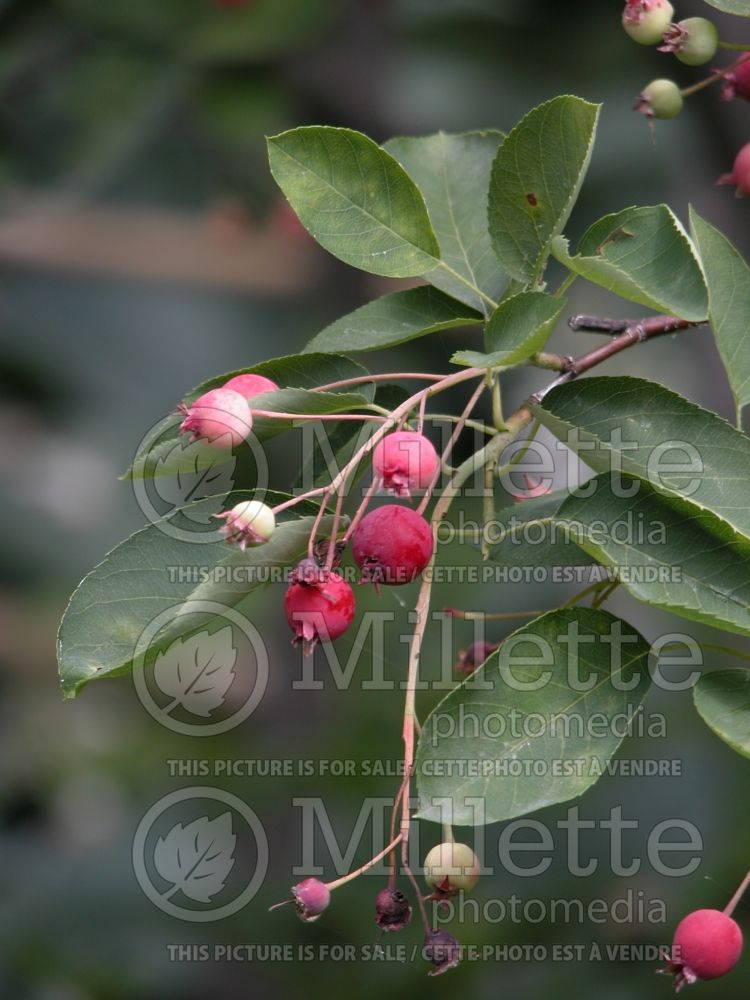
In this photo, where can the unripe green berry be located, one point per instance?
(450, 866)
(248, 523)
(647, 20)
(661, 99)
(694, 41)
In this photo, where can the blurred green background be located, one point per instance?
(144, 248)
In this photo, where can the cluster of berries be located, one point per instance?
(391, 544)
(694, 42)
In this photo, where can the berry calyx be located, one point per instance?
(706, 945)
(392, 910)
(319, 613)
(450, 868)
(248, 385)
(248, 523)
(392, 545)
(311, 898)
(473, 657)
(694, 41)
(220, 416)
(737, 83)
(647, 20)
(661, 99)
(740, 175)
(405, 461)
(443, 950)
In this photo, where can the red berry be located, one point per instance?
(220, 416)
(737, 83)
(321, 612)
(706, 945)
(405, 461)
(311, 897)
(392, 545)
(248, 385)
(740, 175)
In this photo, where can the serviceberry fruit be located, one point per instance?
(392, 545)
(248, 385)
(706, 945)
(443, 950)
(311, 898)
(694, 41)
(320, 612)
(740, 175)
(220, 416)
(450, 868)
(647, 20)
(737, 83)
(248, 523)
(405, 461)
(392, 910)
(471, 658)
(661, 99)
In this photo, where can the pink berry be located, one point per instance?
(311, 897)
(737, 83)
(220, 416)
(405, 461)
(647, 20)
(321, 612)
(706, 945)
(248, 385)
(469, 659)
(392, 910)
(392, 545)
(740, 175)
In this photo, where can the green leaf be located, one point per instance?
(728, 280)
(739, 7)
(645, 256)
(394, 319)
(644, 428)
(453, 174)
(565, 673)
(526, 535)
(165, 452)
(355, 199)
(665, 552)
(722, 699)
(536, 178)
(518, 328)
(109, 610)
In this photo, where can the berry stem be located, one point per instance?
(730, 907)
(735, 46)
(363, 868)
(274, 414)
(718, 75)
(386, 377)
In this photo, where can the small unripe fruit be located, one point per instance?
(321, 612)
(248, 523)
(392, 545)
(647, 20)
(405, 461)
(443, 950)
(220, 416)
(740, 175)
(706, 945)
(392, 910)
(661, 99)
(473, 657)
(451, 868)
(311, 898)
(248, 385)
(737, 83)
(694, 41)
